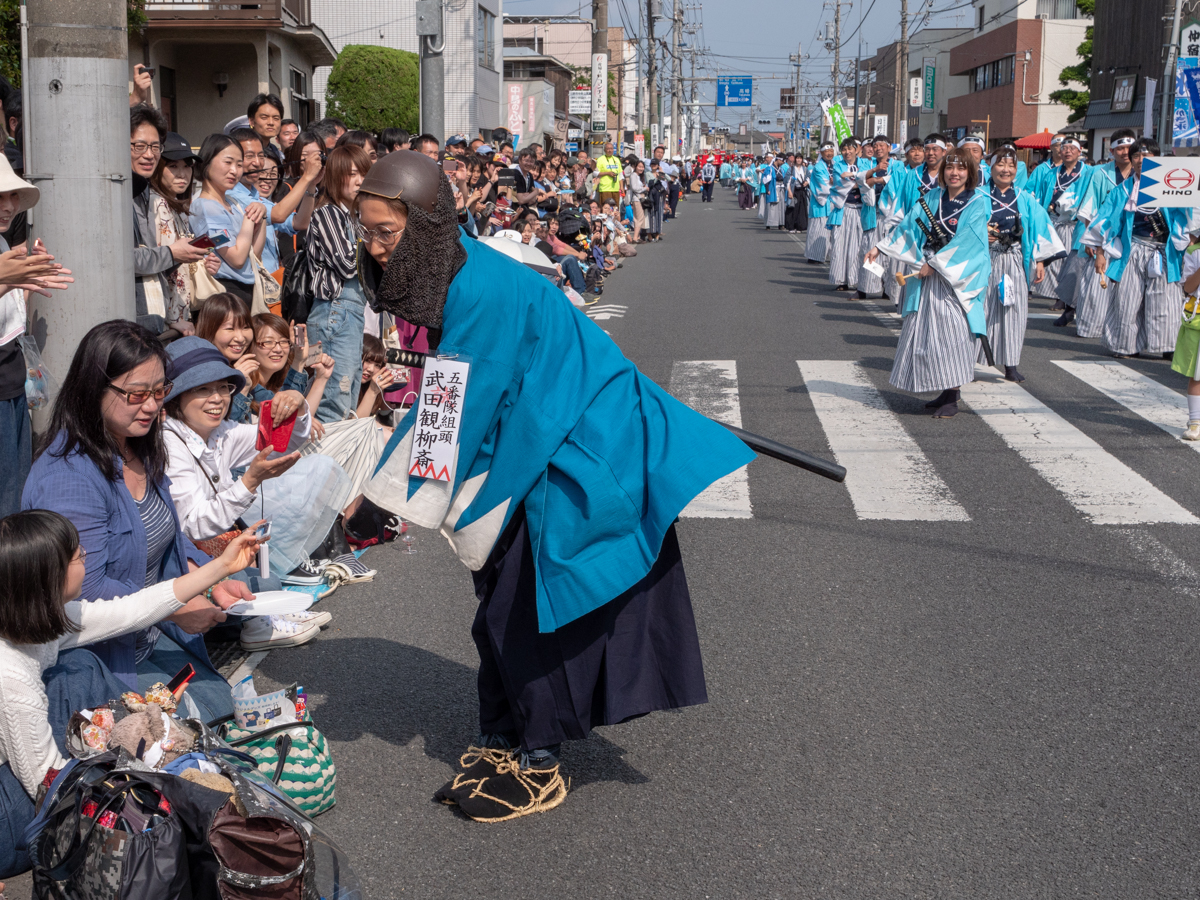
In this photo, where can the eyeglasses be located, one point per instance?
(268, 177)
(381, 235)
(82, 555)
(271, 345)
(224, 389)
(140, 147)
(137, 398)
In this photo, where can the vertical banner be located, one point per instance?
(837, 120)
(514, 110)
(1148, 121)
(902, 133)
(639, 145)
(928, 84)
(599, 92)
(1186, 132)
(654, 135)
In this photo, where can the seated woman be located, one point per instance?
(377, 379)
(281, 365)
(45, 675)
(204, 448)
(102, 465)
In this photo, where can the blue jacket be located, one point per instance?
(554, 416)
(112, 534)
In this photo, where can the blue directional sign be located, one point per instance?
(735, 91)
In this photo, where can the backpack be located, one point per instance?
(297, 296)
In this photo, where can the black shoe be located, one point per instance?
(860, 295)
(334, 545)
(942, 399)
(1011, 374)
(1169, 356)
(1127, 356)
(843, 287)
(813, 262)
(1056, 306)
(1066, 318)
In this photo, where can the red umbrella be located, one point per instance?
(1039, 141)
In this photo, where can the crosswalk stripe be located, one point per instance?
(711, 387)
(1100, 486)
(1154, 402)
(887, 475)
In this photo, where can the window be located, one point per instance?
(301, 111)
(979, 27)
(485, 37)
(1057, 9)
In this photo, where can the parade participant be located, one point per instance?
(1020, 239)
(820, 183)
(772, 194)
(914, 153)
(884, 181)
(946, 235)
(796, 217)
(975, 144)
(746, 186)
(852, 221)
(1045, 169)
(725, 173)
(1093, 300)
(1061, 196)
(1140, 249)
(584, 617)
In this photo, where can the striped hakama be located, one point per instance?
(1145, 311)
(868, 281)
(936, 351)
(1062, 275)
(1094, 300)
(844, 258)
(775, 213)
(816, 247)
(1006, 324)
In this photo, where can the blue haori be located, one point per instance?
(1006, 324)
(554, 417)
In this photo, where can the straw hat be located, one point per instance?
(10, 181)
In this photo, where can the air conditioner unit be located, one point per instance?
(1041, 16)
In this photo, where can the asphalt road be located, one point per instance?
(1000, 705)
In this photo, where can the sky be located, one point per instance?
(755, 37)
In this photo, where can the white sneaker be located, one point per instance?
(1192, 432)
(320, 617)
(275, 632)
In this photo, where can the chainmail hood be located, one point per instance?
(425, 261)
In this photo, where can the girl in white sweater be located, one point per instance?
(41, 574)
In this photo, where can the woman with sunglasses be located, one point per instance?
(102, 464)
(941, 321)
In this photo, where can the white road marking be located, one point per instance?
(1100, 486)
(603, 311)
(887, 475)
(710, 387)
(1154, 402)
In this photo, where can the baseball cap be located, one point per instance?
(175, 147)
(456, 139)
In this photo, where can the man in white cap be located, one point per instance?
(975, 145)
(21, 273)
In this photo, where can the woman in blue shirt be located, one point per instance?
(243, 228)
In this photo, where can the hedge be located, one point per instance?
(373, 88)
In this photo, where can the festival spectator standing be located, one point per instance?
(394, 139)
(289, 130)
(657, 188)
(303, 170)
(610, 176)
(363, 139)
(102, 465)
(428, 145)
(339, 304)
(249, 190)
(639, 193)
(19, 271)
(265, 113)
(151, 262)
(242, 230)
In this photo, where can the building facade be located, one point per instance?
(473, 59)
(1012, 64)
(211, 59)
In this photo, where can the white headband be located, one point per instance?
(1057, 139)
(1072, 140)
(1123, 142)
(941, 144)
(971, 139)
(829, 144)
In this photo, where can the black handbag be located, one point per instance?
(297, 296)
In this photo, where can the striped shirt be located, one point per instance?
(332, 251)
(160, 531)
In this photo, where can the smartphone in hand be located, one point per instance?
(314, 354)
(299, 335)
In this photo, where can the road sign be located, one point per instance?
(572, 146)
(1169, 181)
(579, 102)
(735, 90)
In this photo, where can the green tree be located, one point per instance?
(1079, 74)
(375, 88)
(10, 34)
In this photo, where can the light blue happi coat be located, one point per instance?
(556, 417)
(1069, 201)
(769, 183)
(820, 184)
(965, 262)
(888, 199)
(726, 171)
(1112, 231)
(1100, 185)
(1039, 240)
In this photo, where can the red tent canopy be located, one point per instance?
(1039, 141)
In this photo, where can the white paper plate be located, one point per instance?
(272, 603)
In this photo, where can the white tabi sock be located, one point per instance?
(1194, 407)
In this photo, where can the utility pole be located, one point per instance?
(77, 77)
(651, 73)
(795, 60)
(677, 87)
(600, 45)
(432, 43)
(837, 46)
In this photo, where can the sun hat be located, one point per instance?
(195, 361)
(11, 181)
